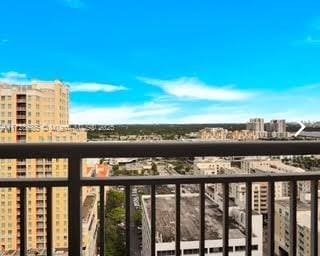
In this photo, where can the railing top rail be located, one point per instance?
(157, 149)
(197, 179)
(161, 180)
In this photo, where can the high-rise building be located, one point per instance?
(277, 126)
(256, 124)
(282, 227)
(277, 129)
(238, 191)
(34, 113)
(282, 189)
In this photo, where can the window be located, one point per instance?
(240, 248)
(191, 251)
(165, 253)
(255, 247)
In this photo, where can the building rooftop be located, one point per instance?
(87, 206)
(303, 211)
(190, 219)
(301, 206)
(36, 252)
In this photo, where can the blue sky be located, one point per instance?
(168, 62)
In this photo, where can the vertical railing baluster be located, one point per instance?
(314, 217)
(178, 226)
(202, 219)
(74, 205)
(153, 220)
(23, 221)
(248, 218)
(49, 220)
(128, 217)
(101, 222)
(225, 220)
(293, 218)
(271, 218)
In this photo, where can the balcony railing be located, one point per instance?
(74, 182)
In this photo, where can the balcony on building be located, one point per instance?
(213, 221)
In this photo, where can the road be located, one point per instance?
(186, 188)
(135, 241)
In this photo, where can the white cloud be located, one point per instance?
(153, 113)
(13, 77)
(95, 87)
(240, 116)
(309, 86)
(313, 41)
(76, 4)
(4, 41)
(215, 118)
(194, 89)
(146, 113)
(315, 24)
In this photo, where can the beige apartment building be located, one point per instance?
(35, 113)
(210, 165)
(282, 189)
(260, 189)
(282, 228)
(238, 192)
(213, 133)
(224, 134)
(243, 135)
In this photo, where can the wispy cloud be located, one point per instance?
(13, 77)
(133, 114)
(202, 118)
(308, 86)
(76, 4)
(193, 89)
(312, 40)
(3, 41)
(312, 36)
(95, 87)
(14, 74)
(308, 41)
(154, 113)
(315, 24)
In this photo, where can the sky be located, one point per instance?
(168, 61)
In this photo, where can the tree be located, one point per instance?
(115, 170)
(114, 199)
(154, 169)
(138, 218)
(115, 215)
(102, 160)
(179, 168)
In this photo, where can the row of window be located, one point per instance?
(211, 250)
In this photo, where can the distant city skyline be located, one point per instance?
(162, 62)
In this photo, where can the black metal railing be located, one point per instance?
(75, 152)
